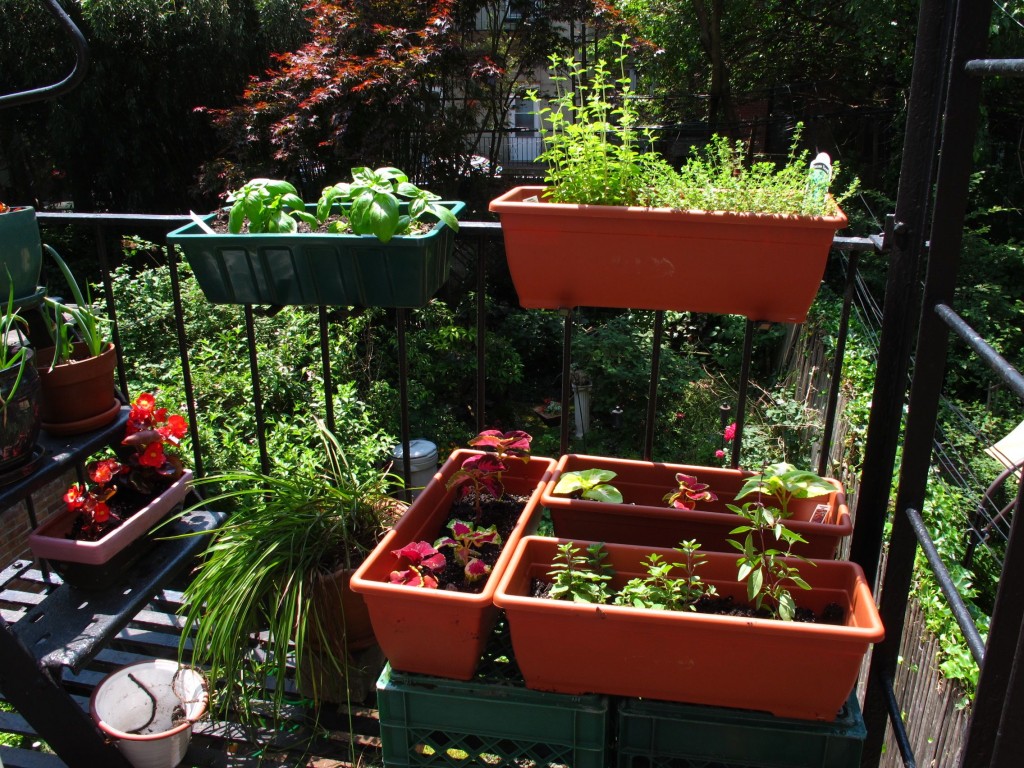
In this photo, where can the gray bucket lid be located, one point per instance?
(419, 450)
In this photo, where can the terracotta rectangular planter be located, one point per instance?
(764, 266)
(645, 519)
(433, 631)
(50, 539)
(318, 268)
(788, 669)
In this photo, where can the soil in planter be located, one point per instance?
(719, 605)
(124, 504)
(502, 513)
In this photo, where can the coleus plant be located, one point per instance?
(689, 492)
(467, 542)
(482, 471)
(422, 563)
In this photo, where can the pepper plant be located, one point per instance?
(581, 577)
(761, 565)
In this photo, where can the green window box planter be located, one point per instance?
(318, 268)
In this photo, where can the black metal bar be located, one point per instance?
(969, 32)
(74, 77)
(186, 366)
(108, 292)
(899, 729)
(999, 684)
(1009, 67)
(652, 391)
(257, 394)
(563, 430)
(325, 361)
(872, 244)
(1009, 744)
(948, 587)
(741, 395)
(1005, 370)
(403, 400)
(837, 365)
(481, 334)
(905, 242)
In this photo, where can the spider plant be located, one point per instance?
(13, 355)
(69, 320)
(260, 570)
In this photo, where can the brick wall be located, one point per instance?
(14, 521)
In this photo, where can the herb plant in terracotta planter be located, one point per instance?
(103, 528)
(429, 584)
(619, 227)
(77, 372)
(662, 504)
(377, 240)
(282, 565)
(682, 625)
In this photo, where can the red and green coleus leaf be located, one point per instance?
(421, 553)
(413, 577)
(423, 562)
(476, 569)
(479, 471)
(466, 540)
(516, 442)
(689, 492)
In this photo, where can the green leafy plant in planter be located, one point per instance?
(593, 484)
(80, 321)
(784, 482)
(580, 577)
(14, 357)
(597, 153)
(19, 389)
(272, 567)
(376, 196)
(375, 200)
(267, 205)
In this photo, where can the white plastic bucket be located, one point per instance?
(422, 463)
(149, 708)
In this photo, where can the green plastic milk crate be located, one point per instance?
(431, 721)
(657, 734)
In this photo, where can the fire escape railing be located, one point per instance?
(927, 232)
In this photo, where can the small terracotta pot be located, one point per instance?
(78, 396)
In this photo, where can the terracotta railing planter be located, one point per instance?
(763, 266)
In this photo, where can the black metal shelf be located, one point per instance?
(65, 627)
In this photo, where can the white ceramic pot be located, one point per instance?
(149, 708)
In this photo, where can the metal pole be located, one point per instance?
(652, 392)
